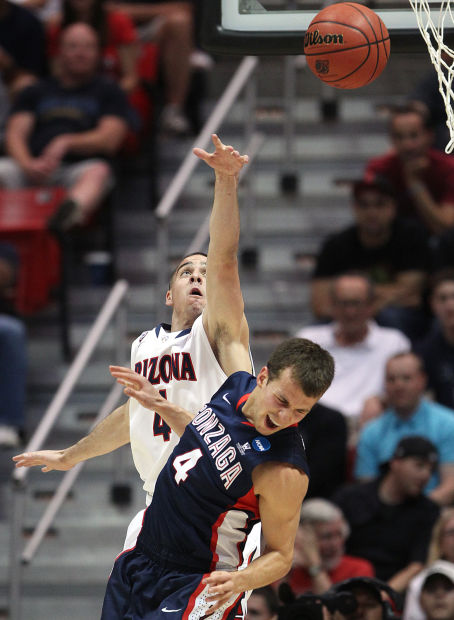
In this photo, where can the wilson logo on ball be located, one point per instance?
(315, 38)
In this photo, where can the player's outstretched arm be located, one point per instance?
(281, 490)
(107, 436)
(224, 319)
(138, 387)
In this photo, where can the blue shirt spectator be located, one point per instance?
(380, 437)
(407, 413)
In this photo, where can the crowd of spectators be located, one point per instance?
(382, 301)
(83, 85)
(380, 444)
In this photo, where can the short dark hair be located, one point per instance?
(412, 107)
(174, 272)
(270, 598)
(312, 367)
(440, 277)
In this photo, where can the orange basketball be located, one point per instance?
(347, 45)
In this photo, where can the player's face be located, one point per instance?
(437, 598)
(187, 294)
(443, 303)
(410, 138)
(278, 403)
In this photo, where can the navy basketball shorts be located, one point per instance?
(141, 589)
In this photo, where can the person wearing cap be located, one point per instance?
(359, 346)
(441, 547)
(393, 252)
(437, 592)
(409, 413)
(423, 177)
(390, 518)
(375, 600)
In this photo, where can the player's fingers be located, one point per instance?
(116, 367)
(200, 153)
(121, 371)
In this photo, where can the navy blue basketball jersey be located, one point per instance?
(204, 504)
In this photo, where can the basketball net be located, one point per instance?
(441, 55)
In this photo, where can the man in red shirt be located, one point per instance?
(319, 559)
(422, 176)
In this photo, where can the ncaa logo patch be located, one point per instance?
(322, 66)
(261, 444)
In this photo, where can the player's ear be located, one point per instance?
(169, 299)
(262, 377)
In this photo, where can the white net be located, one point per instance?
(432, 23)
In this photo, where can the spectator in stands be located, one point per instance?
(170, 24)
(263, 604)
(409, 413)
(390, 518)
(437, 592)
(325, 439)
(423, 177)
(319, 557)
(63, 131)
(393, 252)
(441, 548)
(437, 349)
(117, 38)
(359, 346)
(22, 47)
(13, 354)
(120, 51)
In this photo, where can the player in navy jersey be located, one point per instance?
(182, 359)
(239, 460)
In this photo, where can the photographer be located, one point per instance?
(360, 598)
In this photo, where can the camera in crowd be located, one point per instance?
(343, 599)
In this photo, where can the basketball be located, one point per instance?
(347, 45)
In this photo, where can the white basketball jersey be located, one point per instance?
(183, 367)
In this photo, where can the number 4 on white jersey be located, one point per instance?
(184, 463)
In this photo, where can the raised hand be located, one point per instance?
(224, 160)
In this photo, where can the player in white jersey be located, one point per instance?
(181, 360)
(182, 366)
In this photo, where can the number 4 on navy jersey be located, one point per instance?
(159, 426)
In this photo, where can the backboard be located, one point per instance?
(268, 27)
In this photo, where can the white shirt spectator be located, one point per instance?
(360, 368)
